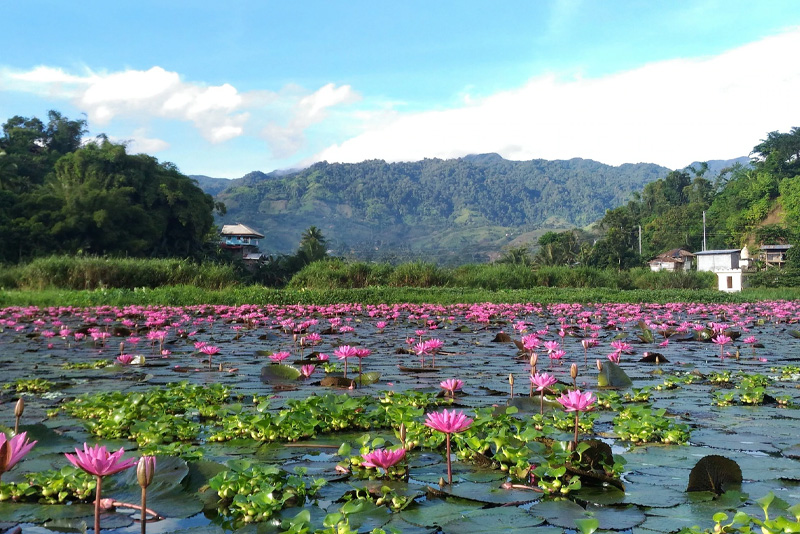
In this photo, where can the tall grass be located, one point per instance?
(91, 272)
(338, 274)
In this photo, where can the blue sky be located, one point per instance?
(223, 88)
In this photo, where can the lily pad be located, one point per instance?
(278, 371)
(612, 376)
(491, 494)
(564, 513)
(366, 379)
(438, 512)
(495, 520)
(714, 473)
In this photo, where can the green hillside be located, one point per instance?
(448, 211)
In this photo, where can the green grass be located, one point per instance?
(192, 295)
(92, 272)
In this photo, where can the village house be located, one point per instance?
(726, 265)
(242, 241)
(676, 259)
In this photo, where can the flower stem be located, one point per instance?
(449, 469)
(144, 510)
(541, 402)
(97, 505)
(576, 429)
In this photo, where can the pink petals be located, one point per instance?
(98, 461)
(13, 450)
(575, 401)
(448, 422)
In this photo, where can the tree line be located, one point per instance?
(61, 195)
(744, 205)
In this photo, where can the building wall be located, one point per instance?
(716, 262)
(730, 280)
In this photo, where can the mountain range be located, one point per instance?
(446, 211)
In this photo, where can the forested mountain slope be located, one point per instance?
(441, 210)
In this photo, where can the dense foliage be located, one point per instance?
(746, 205)
(59, 196)
(456, 210)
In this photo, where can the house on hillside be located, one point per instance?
(242, 241)
(676, 259)
(773, 255)
(726, 265)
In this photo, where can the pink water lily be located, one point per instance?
(99, 462)
(278, 357)
(448, 423)
(345, 352)
(13, 450)
(575, 401)
(383, 458)
(721, 340)
(145, 470)
(541, 381)
(451, 385)
(307, 370)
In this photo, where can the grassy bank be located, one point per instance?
(189, 295)
(92, 272)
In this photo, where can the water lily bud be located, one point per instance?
(511, 379)
(403, 434)
(145, 470)
(441, 482)
(121, 347)
(19, 408)
(599, 365)
(573, 371)
(295, 338)
(534, 359)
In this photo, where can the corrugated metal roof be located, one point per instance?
(240, 229)
(725, 251)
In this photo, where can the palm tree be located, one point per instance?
(312, 245)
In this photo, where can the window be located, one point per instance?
(730, 282)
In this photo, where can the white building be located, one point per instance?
(725, 264)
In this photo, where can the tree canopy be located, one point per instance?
(57, 195)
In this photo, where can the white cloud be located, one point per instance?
(286, 138)
(219, 112)
(139, 143)
(671, 112)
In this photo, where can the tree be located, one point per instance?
(116, 203)
(516, 256)
(33, 147)
(779, 153)
(312, 245)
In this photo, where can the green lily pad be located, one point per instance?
(564, 513)
(511, 519)
(438, 512)
(165, 494)
(365, 516)
(278, 371)
(365, 379)
(491, 493)
(613, 376)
